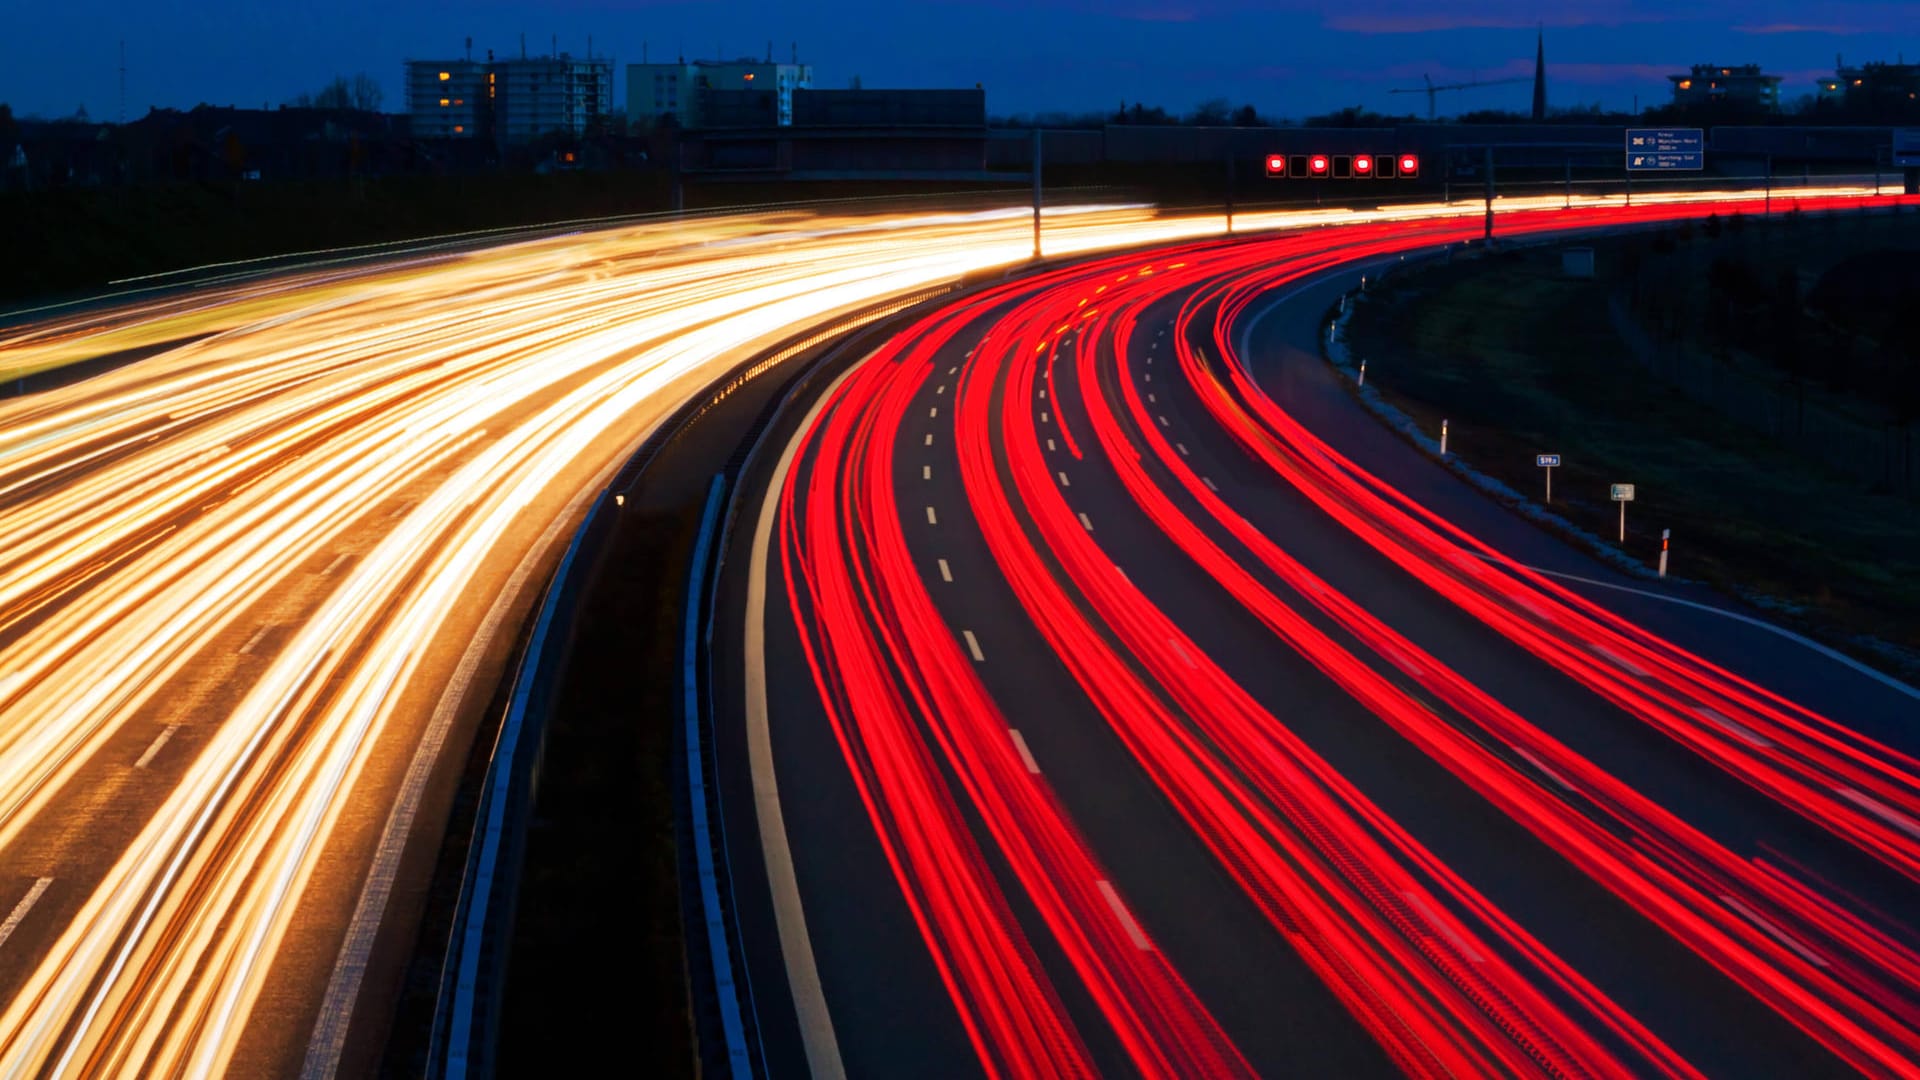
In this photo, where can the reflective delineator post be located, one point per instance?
(1664, 534)
(1363, 373)
(1036, 193)
(1443, 438)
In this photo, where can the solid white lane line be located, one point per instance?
(20, 909)
(1459, 943)
(335, 564)
(329, 1037)
(931, 520)
(1126, 917)
(1778, 934)
(1208, 480)
(796, 944)
(926, 472)
(973, 646)
(1063, 480)
(1880, 677)
(159, 741)
(1538, 764)
(254, 640)
(1026, 755)
(946, 572)
(1881, 810)
(1620, 661)
(1733, 727)
(1085, 522)
(1182, 447)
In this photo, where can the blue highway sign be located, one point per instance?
(1546, 461)
(1906, 147)
(1662, 149)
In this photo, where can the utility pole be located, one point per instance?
(1036, 193)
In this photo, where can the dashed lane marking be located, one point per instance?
(158, 742)
(973, 646)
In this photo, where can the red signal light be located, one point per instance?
(1276, 165)
(1363, 165)
(1318, 165)
(1409, 165)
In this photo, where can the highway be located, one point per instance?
(263, 567)
(1120, 698)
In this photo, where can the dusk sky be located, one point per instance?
(1287, 57)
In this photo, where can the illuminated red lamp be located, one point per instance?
(1318, 164)
(1276, 164)
(1409, 165)
(1363, 164)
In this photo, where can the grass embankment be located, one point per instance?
(1522, 360)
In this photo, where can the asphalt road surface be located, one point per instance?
(1119, 697)
(261, 568)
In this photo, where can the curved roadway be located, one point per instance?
(1120, 698)
(260, 571)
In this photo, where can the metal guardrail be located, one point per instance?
(729, 986)
(469, 1005)
(473, 972)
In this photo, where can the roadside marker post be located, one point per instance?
(1548, 462)
(1443, 438)
(1363, 373)
(1664, 535)
(1623, 494)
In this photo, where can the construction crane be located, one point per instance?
(1431, 89)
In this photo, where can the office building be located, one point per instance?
(1876, 87)
(714, 93)
(509, 101)
(545, 95)
(448, 99)
(1742, 86)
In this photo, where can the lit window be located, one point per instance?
(1856, 82)
(459, 101)
(748, 76)
(444, 103)
(459, 128)
(445, 75)
(1686, 84)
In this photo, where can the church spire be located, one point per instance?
(1540, 76)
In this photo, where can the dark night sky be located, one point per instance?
(1287, 57)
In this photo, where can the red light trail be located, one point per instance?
(1442, 978)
